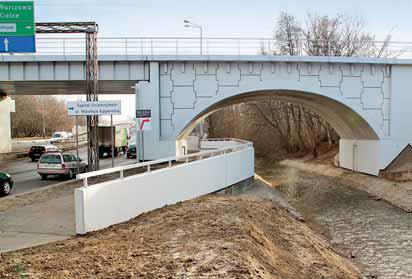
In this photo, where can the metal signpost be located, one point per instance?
(96, 108)
(17, 27)
(144, 123)
(92, 71)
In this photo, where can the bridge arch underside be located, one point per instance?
(359, 146)
(346, 122)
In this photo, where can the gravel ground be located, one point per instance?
(209, 237)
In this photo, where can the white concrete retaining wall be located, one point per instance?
(102, 205)
(216, 144)
(360, 155)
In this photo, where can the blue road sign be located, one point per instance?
(17, 44)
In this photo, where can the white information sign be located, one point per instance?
(94, 108)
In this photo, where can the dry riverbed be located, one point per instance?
(364, 218)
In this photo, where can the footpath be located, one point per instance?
(37, 218)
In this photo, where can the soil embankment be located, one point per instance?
(209, 237)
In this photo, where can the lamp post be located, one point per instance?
(189, 24)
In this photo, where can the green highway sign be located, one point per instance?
(17, 18)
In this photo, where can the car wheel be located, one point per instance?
(43, 176)
(5, 188)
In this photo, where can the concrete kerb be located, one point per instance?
(13, 196)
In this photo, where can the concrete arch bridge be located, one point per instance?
(367, 101)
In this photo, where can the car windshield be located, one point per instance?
(51, 159)
(57, 135)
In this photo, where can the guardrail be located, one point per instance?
(241, 144)
(212, 46)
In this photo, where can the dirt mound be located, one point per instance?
(210, 237)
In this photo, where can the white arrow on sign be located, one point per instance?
(6, 44)
(28, 27)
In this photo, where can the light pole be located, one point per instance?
(194, 25)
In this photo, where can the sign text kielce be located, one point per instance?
(94, 108)
(17, 18)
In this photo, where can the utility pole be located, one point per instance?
(43, 116)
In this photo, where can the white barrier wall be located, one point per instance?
(216, 144)
(102, 205)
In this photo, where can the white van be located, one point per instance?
(59, 136)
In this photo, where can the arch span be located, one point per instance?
(355, 98)
(347, 122)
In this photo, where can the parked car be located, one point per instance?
(62, 164)
(6, 184)
(36, 151)
(131, 152)
(59, 136)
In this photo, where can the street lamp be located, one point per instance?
(189, 24)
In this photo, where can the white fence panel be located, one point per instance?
(102, 205)
(236, 166)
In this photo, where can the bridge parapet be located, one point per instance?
(149, 46)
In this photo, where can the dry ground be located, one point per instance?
(209, 237)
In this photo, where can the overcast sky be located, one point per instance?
(252, 18)
(220, 18)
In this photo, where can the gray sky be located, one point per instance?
(252, 18)
(220, 18)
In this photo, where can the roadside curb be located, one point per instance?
(13, 196)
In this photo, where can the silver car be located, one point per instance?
(63, 164)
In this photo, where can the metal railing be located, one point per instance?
(149, 46)
(168, 162)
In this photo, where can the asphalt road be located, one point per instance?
(26, 178)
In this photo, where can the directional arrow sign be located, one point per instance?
(6, 44)
(94, 108)
(17, 44)
(17, 27)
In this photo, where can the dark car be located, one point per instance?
(6, 183)
(131, 152)
(36, 151)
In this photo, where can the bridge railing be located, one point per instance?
(148, 46)
(236, 145)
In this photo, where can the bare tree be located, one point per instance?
(288, 34)
(341, 35)
(295, 128)
(30, 110)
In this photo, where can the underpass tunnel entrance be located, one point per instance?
(348, 124)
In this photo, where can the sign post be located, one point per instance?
(85, 108)
(112, 138)
(144, 123)
(17, 27)
(77, 143)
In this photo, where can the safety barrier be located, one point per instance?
(163, 182)
(148, 46)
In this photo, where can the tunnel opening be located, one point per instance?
(347, 123)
